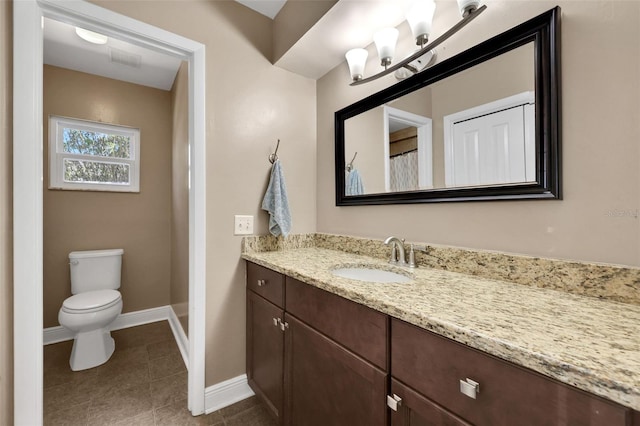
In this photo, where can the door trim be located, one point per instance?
(28, 187)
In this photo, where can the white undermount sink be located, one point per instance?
(364, 273)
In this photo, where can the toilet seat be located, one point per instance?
(91, 301)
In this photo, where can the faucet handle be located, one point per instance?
(412, 257)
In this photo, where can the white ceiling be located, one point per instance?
(63, 48)
(268, 8)
(348, 24)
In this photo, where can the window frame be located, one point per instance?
(57, 156)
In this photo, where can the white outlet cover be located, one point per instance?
(243, 225)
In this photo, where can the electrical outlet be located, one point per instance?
(243, 225)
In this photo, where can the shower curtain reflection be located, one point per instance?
(403, 171)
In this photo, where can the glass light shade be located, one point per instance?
(467, 5)
(356, 58)
(385, 40)
(91, 37)
(420, 19)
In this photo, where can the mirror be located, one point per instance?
(482, 125)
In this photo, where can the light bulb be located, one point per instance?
(467, 6)
(357, 59)
(91, 37)
(385, 40)
(420, 19)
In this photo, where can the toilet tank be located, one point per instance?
(95, 270)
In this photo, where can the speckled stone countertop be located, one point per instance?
(592, 344)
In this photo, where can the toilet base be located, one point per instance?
(91, 349)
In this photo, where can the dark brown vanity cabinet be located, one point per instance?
(437, 372)
(322, 360)
(318, 359)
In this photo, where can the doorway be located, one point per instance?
(28, 186)
(395, 121)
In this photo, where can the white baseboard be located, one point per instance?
(181, 338)
(130, 319)
(56, 334)
(146, 316)
(226, 393)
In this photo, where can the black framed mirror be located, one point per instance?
(482, 125)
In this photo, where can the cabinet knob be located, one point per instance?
(262, 283)
(469, 388)
(276, 321)
(284, 325)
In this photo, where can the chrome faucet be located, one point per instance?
(397, 250)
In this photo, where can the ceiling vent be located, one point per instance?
(125, 58)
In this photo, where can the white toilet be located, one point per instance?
(95, 304)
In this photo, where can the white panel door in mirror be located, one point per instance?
(491, 144)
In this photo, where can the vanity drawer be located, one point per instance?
(266, 282)
(356, 327)
(508, 394)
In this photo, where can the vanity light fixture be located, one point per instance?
(91, 36)
(420, 19)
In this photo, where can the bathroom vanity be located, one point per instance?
(445, 348)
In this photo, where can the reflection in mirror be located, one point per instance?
(453, 133)
(483, 124)
(408, 163)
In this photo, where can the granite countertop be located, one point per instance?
(585, 342)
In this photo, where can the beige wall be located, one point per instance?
(179, 285)
(6, 228)
(140, 223)
(600, 132)
(249, 105)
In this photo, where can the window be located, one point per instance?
(84, 155)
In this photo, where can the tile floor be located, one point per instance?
(144, 383)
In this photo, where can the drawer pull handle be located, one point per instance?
(470, 388)
(262, 283)
(394, 402)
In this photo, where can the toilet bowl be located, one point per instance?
(95, 304)
(87, 315)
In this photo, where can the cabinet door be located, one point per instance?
(416, 410)
(265, 352)
(328, 385)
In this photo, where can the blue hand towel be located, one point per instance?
(354, 183)
(276, 203)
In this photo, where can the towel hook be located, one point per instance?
(273, 157)
(350, 165)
